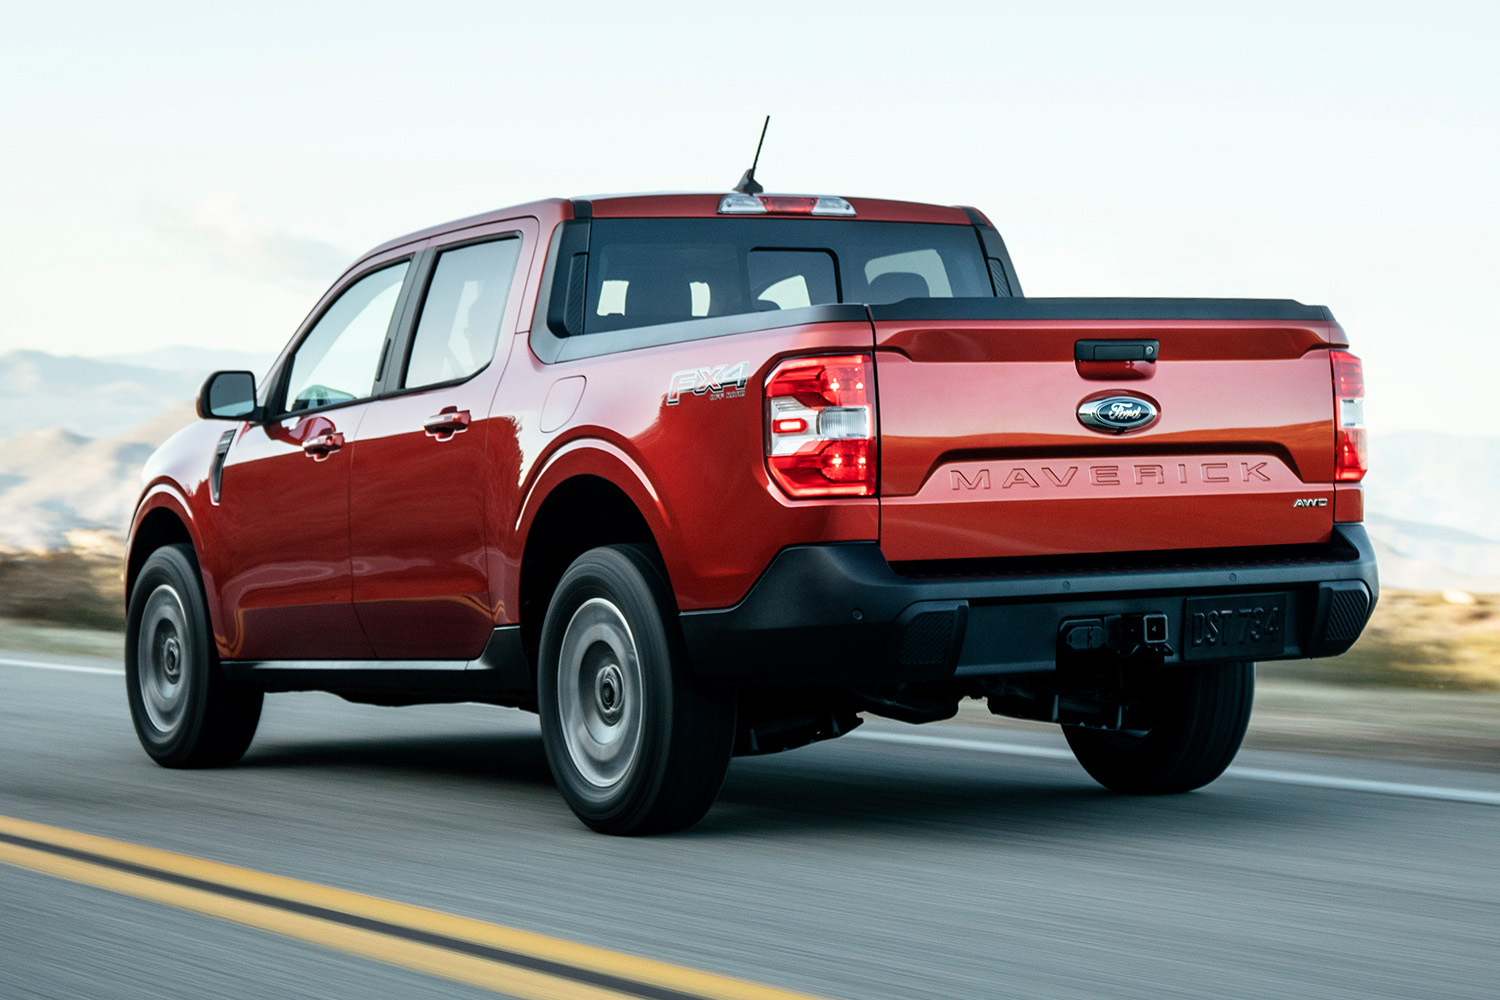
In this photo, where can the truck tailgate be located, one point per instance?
(983, 453)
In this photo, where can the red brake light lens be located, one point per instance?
(1351, 443)
(821, 421)
(1348, 375)
(792, 206)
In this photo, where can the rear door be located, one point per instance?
(1224, 423)
(420, 478)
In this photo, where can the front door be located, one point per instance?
(420, 478)
(282, 521)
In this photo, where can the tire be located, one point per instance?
(186, 712)
(1204, 712)
(635, 743)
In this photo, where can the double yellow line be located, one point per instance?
(501, 959)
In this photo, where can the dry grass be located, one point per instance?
(1416, 639)
(63, 589)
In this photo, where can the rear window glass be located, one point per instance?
(460, 322)
(643, 272)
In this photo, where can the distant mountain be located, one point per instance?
(98, 399)
(60, 490)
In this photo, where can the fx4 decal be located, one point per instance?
(720, 382)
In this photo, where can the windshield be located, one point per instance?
(648, 271)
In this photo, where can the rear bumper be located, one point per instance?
(840, 613)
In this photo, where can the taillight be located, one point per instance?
(1351, 446)
(820, 426)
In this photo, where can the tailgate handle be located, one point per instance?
(1115, 350)
(1116, 359)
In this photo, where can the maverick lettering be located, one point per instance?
(1117, 474)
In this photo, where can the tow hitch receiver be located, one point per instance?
(1114, 637)
(1105, 678)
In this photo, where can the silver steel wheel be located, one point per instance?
(599, 692)
(163, 652)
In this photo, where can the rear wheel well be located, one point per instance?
(581, 514)
(159, 527)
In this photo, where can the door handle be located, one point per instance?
(323, 445)
(447, 423)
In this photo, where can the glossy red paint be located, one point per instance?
(281, 542)
(695, 470)
(419, 492)
(1349, 502)
(1116, 371)
(1236, 393)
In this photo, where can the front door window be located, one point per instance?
(339, 360)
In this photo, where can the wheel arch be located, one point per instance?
(162, 518)
(578, 512)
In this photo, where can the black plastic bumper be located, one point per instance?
(840, 613)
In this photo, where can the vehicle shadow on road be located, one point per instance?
(864, 797)
(511, 757)
(827, 790)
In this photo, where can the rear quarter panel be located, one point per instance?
(695, 468)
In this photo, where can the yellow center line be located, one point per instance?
(490, 956)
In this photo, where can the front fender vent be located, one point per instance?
(216, 471)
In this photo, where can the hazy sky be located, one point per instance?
(189, 174)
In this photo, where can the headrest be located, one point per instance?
(893, 286)
(657, 297)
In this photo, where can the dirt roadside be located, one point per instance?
(1458, 729)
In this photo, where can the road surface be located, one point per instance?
(941, 861)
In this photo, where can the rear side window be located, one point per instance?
(644, 272)
(461, 314)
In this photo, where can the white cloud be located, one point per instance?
(220, 230)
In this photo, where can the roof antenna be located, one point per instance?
(748, 184)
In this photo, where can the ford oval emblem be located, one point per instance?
(1117, 414)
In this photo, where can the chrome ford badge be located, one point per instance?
(1117, 414)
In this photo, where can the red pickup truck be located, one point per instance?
(703, 475)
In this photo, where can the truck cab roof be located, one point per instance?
(685, 205)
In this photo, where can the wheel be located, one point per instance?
(1204, 712)
(186, 712)
(635, 743)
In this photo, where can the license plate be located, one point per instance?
(1242, 625)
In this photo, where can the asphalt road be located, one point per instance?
(968, 863)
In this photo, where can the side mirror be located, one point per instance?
(228, 396)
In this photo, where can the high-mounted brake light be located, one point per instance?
(780, 204)
(1351, 445)
(820, 420)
